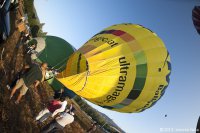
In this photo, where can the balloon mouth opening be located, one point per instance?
(76, 64)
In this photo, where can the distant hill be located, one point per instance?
(111, 122)
(100, 118)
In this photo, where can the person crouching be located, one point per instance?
(59, 123)
(54, 107)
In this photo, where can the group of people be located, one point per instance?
(30, 43)
(63, 114)
(33, 75)
(56, 108)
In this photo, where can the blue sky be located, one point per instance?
(77, 21)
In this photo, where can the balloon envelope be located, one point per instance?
(125, 68)
(55, 51)
(198, 126)
(196, 18)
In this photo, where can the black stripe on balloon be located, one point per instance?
(87, 66)
(78, 63)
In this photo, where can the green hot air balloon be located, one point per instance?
(55, 51)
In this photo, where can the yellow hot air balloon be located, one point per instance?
(125, 68)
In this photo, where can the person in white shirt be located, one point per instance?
(54, 107)
(61, 121)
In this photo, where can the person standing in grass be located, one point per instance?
(35, 75)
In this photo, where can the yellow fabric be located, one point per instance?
(116, 64)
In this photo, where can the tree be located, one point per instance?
(34, 30)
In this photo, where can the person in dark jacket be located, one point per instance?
(16, 78)
(35, 75)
